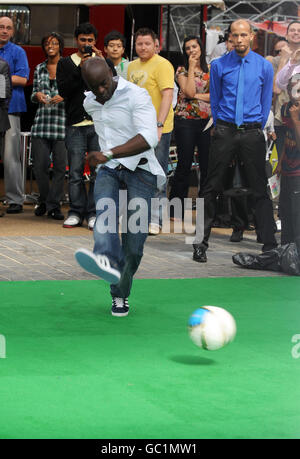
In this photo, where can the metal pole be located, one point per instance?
(227, 11)
(175, 31)
(132, 38)
(168, 30)
(277, 4)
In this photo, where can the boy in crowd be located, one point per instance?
(114, 47)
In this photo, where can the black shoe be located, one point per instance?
(120, 307)
(14, 209)
(56, 214)
(267, 247)
(199, 254)
(40, 209)
(237, 236)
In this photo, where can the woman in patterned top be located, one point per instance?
(192, 114)
(48, 130)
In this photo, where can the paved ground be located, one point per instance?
(33, 248)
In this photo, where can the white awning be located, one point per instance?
(217, 3)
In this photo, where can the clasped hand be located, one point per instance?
(95, 158)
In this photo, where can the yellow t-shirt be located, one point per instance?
(154, 75)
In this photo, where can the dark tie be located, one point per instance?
(239, 110)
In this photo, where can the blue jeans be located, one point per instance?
(162, 152)
(80, 140)
(125, 254)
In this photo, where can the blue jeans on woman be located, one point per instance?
(125, 254)
(79, 141)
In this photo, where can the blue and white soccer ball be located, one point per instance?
(211, 327)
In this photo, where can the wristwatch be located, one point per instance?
(109, 154)
(159, 124)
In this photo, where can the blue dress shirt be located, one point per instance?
(258, 86)
(16, 58)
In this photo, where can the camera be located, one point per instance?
(88, 50)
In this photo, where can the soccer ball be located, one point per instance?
(211, 327)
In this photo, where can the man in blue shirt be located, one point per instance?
(18, 64)
(238, 131)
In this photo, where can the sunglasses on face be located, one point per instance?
(277, 52)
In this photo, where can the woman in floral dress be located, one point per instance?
(192, 114)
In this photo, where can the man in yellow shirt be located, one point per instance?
(156, 74)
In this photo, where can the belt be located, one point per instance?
(120, 167)
(242, 127)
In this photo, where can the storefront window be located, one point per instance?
(20, 16)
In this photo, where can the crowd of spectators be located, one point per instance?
(201, 115)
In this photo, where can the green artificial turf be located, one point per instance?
(74, 371)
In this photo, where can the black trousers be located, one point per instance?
(188, 135)
(289, 202)
(50, 193)
(249, 147)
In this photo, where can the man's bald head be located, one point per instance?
(6, 30)
(243, 23)
(242, 35)
(98, 77)
(94, 68)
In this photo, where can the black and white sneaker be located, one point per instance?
(120, 307)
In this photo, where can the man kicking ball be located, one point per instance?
(125, 121)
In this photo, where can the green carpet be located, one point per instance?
(74, 371)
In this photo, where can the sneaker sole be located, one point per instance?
(119, 314)
(89, 263)
(72, 226)
(202, 260)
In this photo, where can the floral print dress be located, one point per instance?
(193, 108)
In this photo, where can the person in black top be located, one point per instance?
(289, 167)
(81, 137)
